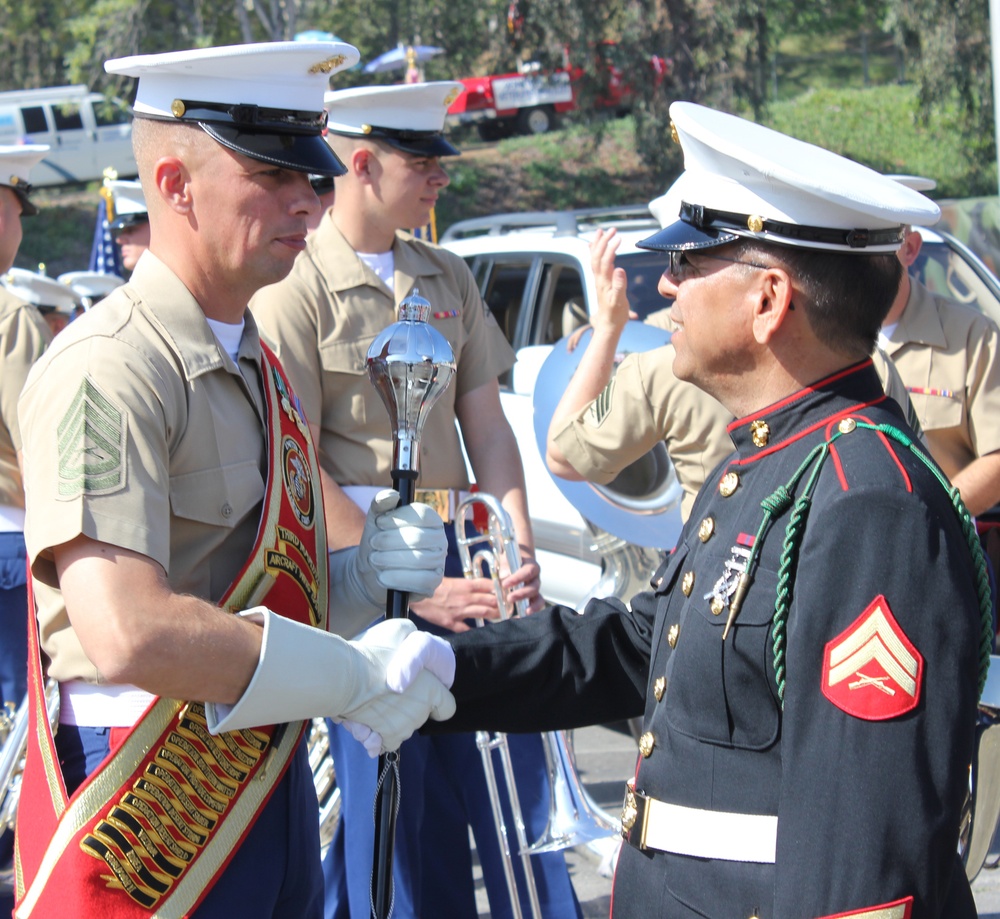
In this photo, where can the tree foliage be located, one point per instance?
(721, 52)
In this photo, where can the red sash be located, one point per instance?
(150, 831)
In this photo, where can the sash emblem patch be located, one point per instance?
(872, 670)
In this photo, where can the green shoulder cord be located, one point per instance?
(781, 499)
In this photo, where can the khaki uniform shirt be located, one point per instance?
(321, 320)
(946, 353)
(24, 335)
(644, 403)
(140, 432)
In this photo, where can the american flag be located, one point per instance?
(105, 256)
(428, 232)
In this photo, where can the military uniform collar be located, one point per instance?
(920, 322)
(811, 409)
(342, 268)
(182, 320)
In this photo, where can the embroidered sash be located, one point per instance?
(150, 831)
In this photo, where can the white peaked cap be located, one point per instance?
(262, 100)
(128, 197)
(409, 116)
(90, 283)
(16, 163)
(41, 290)
(745, 180)
(917, 183)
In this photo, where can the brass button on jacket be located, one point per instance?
(646, 744)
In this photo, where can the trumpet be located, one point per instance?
(574, 819)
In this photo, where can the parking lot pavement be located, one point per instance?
(605, 759)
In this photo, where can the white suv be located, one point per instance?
(534, 273)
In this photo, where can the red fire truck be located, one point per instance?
(532, 99)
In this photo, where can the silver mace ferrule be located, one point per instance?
(410, 363)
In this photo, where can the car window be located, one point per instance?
(34, 119)
(110, 112)
(560, 306)
(67, 117)
(945, 272)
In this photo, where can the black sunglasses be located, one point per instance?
(681, 268)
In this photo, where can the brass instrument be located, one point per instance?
(981, 811)
(324, 779)
(574, 819)
(14, 746)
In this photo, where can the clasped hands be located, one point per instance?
(304, 672)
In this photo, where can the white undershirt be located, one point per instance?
(382, 264)
(228, 334)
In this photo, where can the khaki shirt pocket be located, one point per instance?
(220, 497)
(939, 411)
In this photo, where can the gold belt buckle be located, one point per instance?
(634, 816)
(438, 498)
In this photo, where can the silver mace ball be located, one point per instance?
(410, 363)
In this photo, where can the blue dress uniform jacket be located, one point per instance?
(864, 769)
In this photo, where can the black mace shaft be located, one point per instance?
(387, 787)
(410, 364)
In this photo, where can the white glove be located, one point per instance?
(304, 673)
(419, 651)
(402, 548)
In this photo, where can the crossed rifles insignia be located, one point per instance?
(872, 670)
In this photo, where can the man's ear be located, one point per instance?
(910, 249)
(773, 303)
(173, 182)
(362, 163)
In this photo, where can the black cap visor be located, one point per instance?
(300, 152)
(681, 235)
(419, 143)
(431, 146)
(27, 208)
(124, 221)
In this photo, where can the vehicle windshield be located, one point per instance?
(644, 270)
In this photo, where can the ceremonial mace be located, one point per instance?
(410, 363)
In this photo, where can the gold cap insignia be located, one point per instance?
(366, 129)
(177, 108)
(760, 431)
(330, 64)
(452, 96)
(754, 223)
(14, 181)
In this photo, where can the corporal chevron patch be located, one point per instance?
(600, 407)
(91, 444)
(872, 670)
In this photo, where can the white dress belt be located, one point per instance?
(101, 706)
(705, 833)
